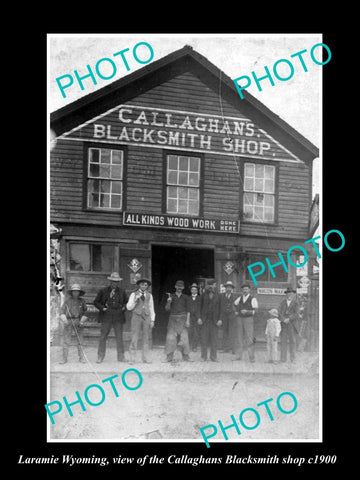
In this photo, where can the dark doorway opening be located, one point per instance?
(169, 264)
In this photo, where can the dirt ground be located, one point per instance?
(174, 402)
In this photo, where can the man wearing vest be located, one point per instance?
(246, 306)
(141, 304)
(288, 316)
(227, 316)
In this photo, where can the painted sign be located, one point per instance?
(181, 222)
(181, 130)
(271, 291)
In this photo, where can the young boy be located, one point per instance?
(272, 332)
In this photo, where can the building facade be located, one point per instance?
(168, 174)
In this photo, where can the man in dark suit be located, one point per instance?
(288, 316)
(194, 308)
(227, 316)
(209, 321)
(111, 302)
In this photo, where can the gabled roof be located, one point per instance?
(177, 62)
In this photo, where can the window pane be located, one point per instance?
(183, 193)
(183, 206)
(94, 155)
(194, 164)
(269, 200)
(183, 178)
(173, 177)
(80, 257)
(172, 162)
(116, 171)
(94, 170)
(249, 170)
(172, 192)
(248, 198)
(105, 186)
(105, 200)
(249, 184)
(102, 258)
(105, 155)
(184, 163)
(171, 205)
(248, 212)
(258, 213)
(116, 187)
(269, 186)
(259, 185)
(193, 207)
(116, 157)
(259, 199)
(269, 214)
(259, 171)
(269, 172)
(115, 201)
(105, 171)
(194, 179)
(193, 193)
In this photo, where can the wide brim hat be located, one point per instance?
(274, 311)
(114, 277)
(289, 290)
(194, 285)
(143, 280)
(245, 285)
(229, 284)
(210, 281)
(76, 288)
(179, 284)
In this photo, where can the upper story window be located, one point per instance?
(259, 193)
(183, 185)
(105, 178)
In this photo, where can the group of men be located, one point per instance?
(193, 320)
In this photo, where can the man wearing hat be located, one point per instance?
(227, 316)
(246, 306)
(195, 307)
(179, 322)
(209, 321)
(141, 304)
(72, 316)
(288, 316)
(272, 332)
(111, 302)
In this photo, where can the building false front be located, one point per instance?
(169, 175)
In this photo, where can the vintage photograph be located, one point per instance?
(184, 184)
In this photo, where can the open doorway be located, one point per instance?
(169, 264)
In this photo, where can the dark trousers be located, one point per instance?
(287, 335)
(194, 333)
(229, 332)
(208, 337)
(106, 326)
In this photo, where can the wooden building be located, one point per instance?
(167, 173)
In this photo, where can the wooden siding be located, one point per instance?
(145, 176)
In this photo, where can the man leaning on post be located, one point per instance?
(111, 302)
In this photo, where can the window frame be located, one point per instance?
(275, 194)
(254, 257)
(86, 177)
(91, 244)
(200, 188)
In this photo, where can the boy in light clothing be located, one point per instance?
(272, 332)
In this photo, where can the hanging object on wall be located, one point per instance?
(229, 267)
(135, 265)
